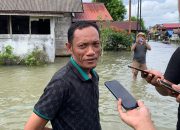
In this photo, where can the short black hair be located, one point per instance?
(80, 25)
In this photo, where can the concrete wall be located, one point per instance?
(62, 25)
(24, 44)
(53, 44)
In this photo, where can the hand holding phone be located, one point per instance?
(161, 82)
(128, 101)
(168, 86)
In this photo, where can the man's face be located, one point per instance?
(141, 37)
(85, 48)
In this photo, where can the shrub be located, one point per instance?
(114, 40)
(36, 57)
(105, 33)
(7, 57)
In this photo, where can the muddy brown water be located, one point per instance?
(21, 87)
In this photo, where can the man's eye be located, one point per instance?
(97, 44)
(82, 46)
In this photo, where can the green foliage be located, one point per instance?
(118, 40)
(7, 57)
(133, 18)
(113, 40)
(115, 7)
(36, 57)
(105, 33)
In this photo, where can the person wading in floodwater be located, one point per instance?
(140, 48)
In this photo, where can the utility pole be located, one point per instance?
(179, 12)
(140, 19)
(137, 29)
(129, 16)
(179, 9)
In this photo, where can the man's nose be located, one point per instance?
(90, 51)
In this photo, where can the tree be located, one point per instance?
(133, 18)
(115, 7)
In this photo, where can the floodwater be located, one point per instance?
(21, 87)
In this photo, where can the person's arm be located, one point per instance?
(139, 118)
(133, 46)
(47, 107)
(148, 46)
(36, 123)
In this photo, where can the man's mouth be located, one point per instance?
(91, 60)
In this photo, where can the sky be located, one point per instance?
(154, 11)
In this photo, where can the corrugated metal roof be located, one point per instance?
(93, 12)
(39, 6)
(171, 25)
(124, 25)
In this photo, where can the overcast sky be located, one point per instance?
(154, 11)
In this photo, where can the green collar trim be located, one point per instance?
(94, 73)
(83, 74)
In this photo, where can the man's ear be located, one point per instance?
(69, 48)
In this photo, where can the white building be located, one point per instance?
(27, 24)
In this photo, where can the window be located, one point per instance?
(4, 24)
(24, 25)
(20, 25)
(40, 26)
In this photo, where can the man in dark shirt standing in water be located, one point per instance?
(70, 101)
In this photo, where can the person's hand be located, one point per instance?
(176, 87)
(153, 76)
(141, 40)
(138, 118)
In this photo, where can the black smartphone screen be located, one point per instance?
(137, 69)
(145, 73)
(128, 101)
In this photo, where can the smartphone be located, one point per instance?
(168, 86)
(128, 101)
(164, 84)
(145, 73)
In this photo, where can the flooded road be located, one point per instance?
(21, 87)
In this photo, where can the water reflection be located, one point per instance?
(21, 87)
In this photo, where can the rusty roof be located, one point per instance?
(93, 12)
(124, 25)
(171, 25)
(39, 6)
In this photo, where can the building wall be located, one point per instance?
(61, 28)
(24, 44)
(53, 44)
